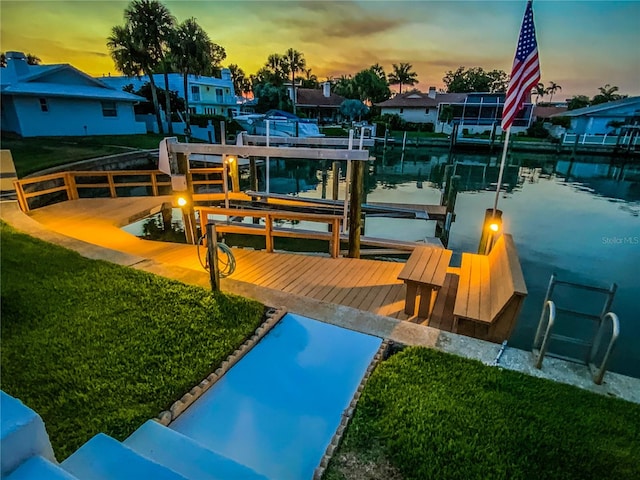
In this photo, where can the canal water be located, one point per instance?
(577, 219)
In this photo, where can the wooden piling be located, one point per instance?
(190, 225)
(335, 169)
(355, 208)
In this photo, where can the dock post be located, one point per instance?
(212, 257)
(188, 213)
(490, 227)
(404, 144)
(253, 174)
(335, 170)
(355, 208)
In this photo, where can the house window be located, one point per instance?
(401, 110)
(109, 109)
(219, 95)
(43, 105)
(426, 111)
(195, 93)
(192, 110)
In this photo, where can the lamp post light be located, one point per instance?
(490, 228)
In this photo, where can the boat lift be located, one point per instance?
(548, 320)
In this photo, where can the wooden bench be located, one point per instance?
(491, 290)
(424, 273)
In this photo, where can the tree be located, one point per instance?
(402, 75)
(379, 70)
(293, 62)
(177, 103)
(241, 83)
(353, 109)
(3, 60)
(33, 60)
(607, 94)
(194, 53)
(131, 58)
(552, 89)
(152, 24)
(370, 88)
(345, 87)
(310, 80)
(271, 97)
(540, 91)
(578, 101)
(475, 80)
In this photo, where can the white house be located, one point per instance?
(596, 120)
(418, 107)
(207, 95)
(60, 100)
(474, 112)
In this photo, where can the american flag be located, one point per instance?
(525, 73)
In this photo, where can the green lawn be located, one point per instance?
(95, 347)
(429, 415)
(34, 154)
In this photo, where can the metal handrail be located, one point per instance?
(598, 372)
(549, 305)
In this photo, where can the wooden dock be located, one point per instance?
(368, 285)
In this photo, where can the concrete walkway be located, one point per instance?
(407, 333)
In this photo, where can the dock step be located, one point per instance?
(104, 458)
(39, 468)
(571, 340)
(185, 456)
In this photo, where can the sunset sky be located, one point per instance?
(582, 44)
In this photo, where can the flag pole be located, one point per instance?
(502, 162)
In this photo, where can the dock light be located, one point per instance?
(231, 159)
(494, 227)
(182, 201)
(490, 227)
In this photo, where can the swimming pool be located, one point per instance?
(277, 409)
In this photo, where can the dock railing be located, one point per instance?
(63, 186)
(268, 229)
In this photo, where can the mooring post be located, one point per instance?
(253, 174)
(188, 212)
(404, 143)
(212, 257)
(335, 170)
(490, 227)
(355, 210)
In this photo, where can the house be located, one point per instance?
(60, 100)
(474, 112)
(321, 104)
(418, 107)
(207, 95)
(545, 112)
(596, 120)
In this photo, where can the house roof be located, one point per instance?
(422, 100)
(548, 111)
(312, 97)
(31, 80)
(62, 90)
(602, 109)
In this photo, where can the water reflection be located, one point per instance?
(576, 218)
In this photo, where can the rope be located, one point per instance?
(226, 260)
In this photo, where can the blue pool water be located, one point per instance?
(277, 409)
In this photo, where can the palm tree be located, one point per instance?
(607, 94)
(238, 78)
(402, 75)
(540, 91)
(194, 53)
(293, 62)
(552, 89)
(131, 58)
(379, 70)
(33, 60)
(152, 24)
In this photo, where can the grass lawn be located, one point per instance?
(95, 347)
(34, 154)
(429, 415)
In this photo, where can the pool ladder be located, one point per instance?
(548, 319)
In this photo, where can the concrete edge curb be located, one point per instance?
(274, 315)
(349, 411)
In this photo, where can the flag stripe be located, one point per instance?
(525, 73)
